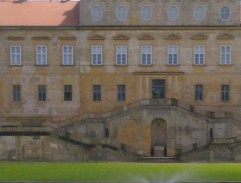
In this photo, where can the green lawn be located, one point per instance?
(119, 171)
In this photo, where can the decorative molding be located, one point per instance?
(96, 37)
(145, 37)
(15, 38)
(40, 38)
(67, 38)
(225, 36)
(121, 37)
(172, 37)
(199, 37)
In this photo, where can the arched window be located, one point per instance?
(172, 13)
(96, 13)
(225, 13)
(121, 13)
(199, 13)
(146, 12)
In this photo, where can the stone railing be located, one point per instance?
(20, 129)
(115, 112)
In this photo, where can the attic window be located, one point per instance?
(121, 13)
(96, 12)
(225, 13)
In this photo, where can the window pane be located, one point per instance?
(96, 93)
(42, 93)
(16, 93)
(121, 92)
(67, 92)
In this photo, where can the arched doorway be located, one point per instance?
(158, 138)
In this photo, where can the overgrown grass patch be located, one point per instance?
(12, 171)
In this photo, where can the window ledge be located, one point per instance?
(199, 65)
(62, 65)
(15, 65)
(41, 65)
(172, 65)
(121, 65)
(146, 65)
(228, 65)
(93, 65)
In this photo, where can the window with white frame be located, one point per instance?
(224, 13)
(199, 54)
(172, 13)
(146, 55)
(15, 55)
(67, 55)
(225, 54)
(96, 54)
(121, 55)
(41, 54)
(173, 55)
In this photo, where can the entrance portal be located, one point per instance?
(158, 138)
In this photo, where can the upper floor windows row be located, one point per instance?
(41, 55)
(121, 55)
(146, 12)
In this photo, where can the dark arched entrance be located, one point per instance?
(158, 138)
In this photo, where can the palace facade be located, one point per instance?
(120, 80)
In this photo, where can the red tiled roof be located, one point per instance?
(37, 13)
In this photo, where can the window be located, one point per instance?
(173, 55)
(146, 12)
(121, 13)
(172, 13)
(199, 13)
(67, 92)
(199, 54)
(121, 55)
(15, 55)
(225, 92)
(16, 93)
(96, 92)
(225, 57)
(225, 13)
(146, 55)
(198, 92)
(41, 92)
(158, 88)
(41, 55)
(96, 13)
(67, 55)
(121, 92)
(96, 52)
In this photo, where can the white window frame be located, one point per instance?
(67, 56)
(199, 54)
(15, 56)
(146, 12)
(41, 55)
(221, 13)
(199, 15)
(121, 13)
(96, 12)
(146, 55)
(173, 55)
(172, 15)
(121, 55)
(96, 55)
(225, 54)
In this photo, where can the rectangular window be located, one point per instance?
(225, 54)
(96, 92)
(121, 55)
(173, 55)
(41, 92)
(146, 55)
(121, 92)
(225, 90)
(16, 93)
(15, 55)
(41, 55)
(199, 54)
(96, 52)
(67, 92)
(67, 55)
(198, 92)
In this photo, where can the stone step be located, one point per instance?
(159, 160)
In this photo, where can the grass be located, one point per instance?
(20, 171)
